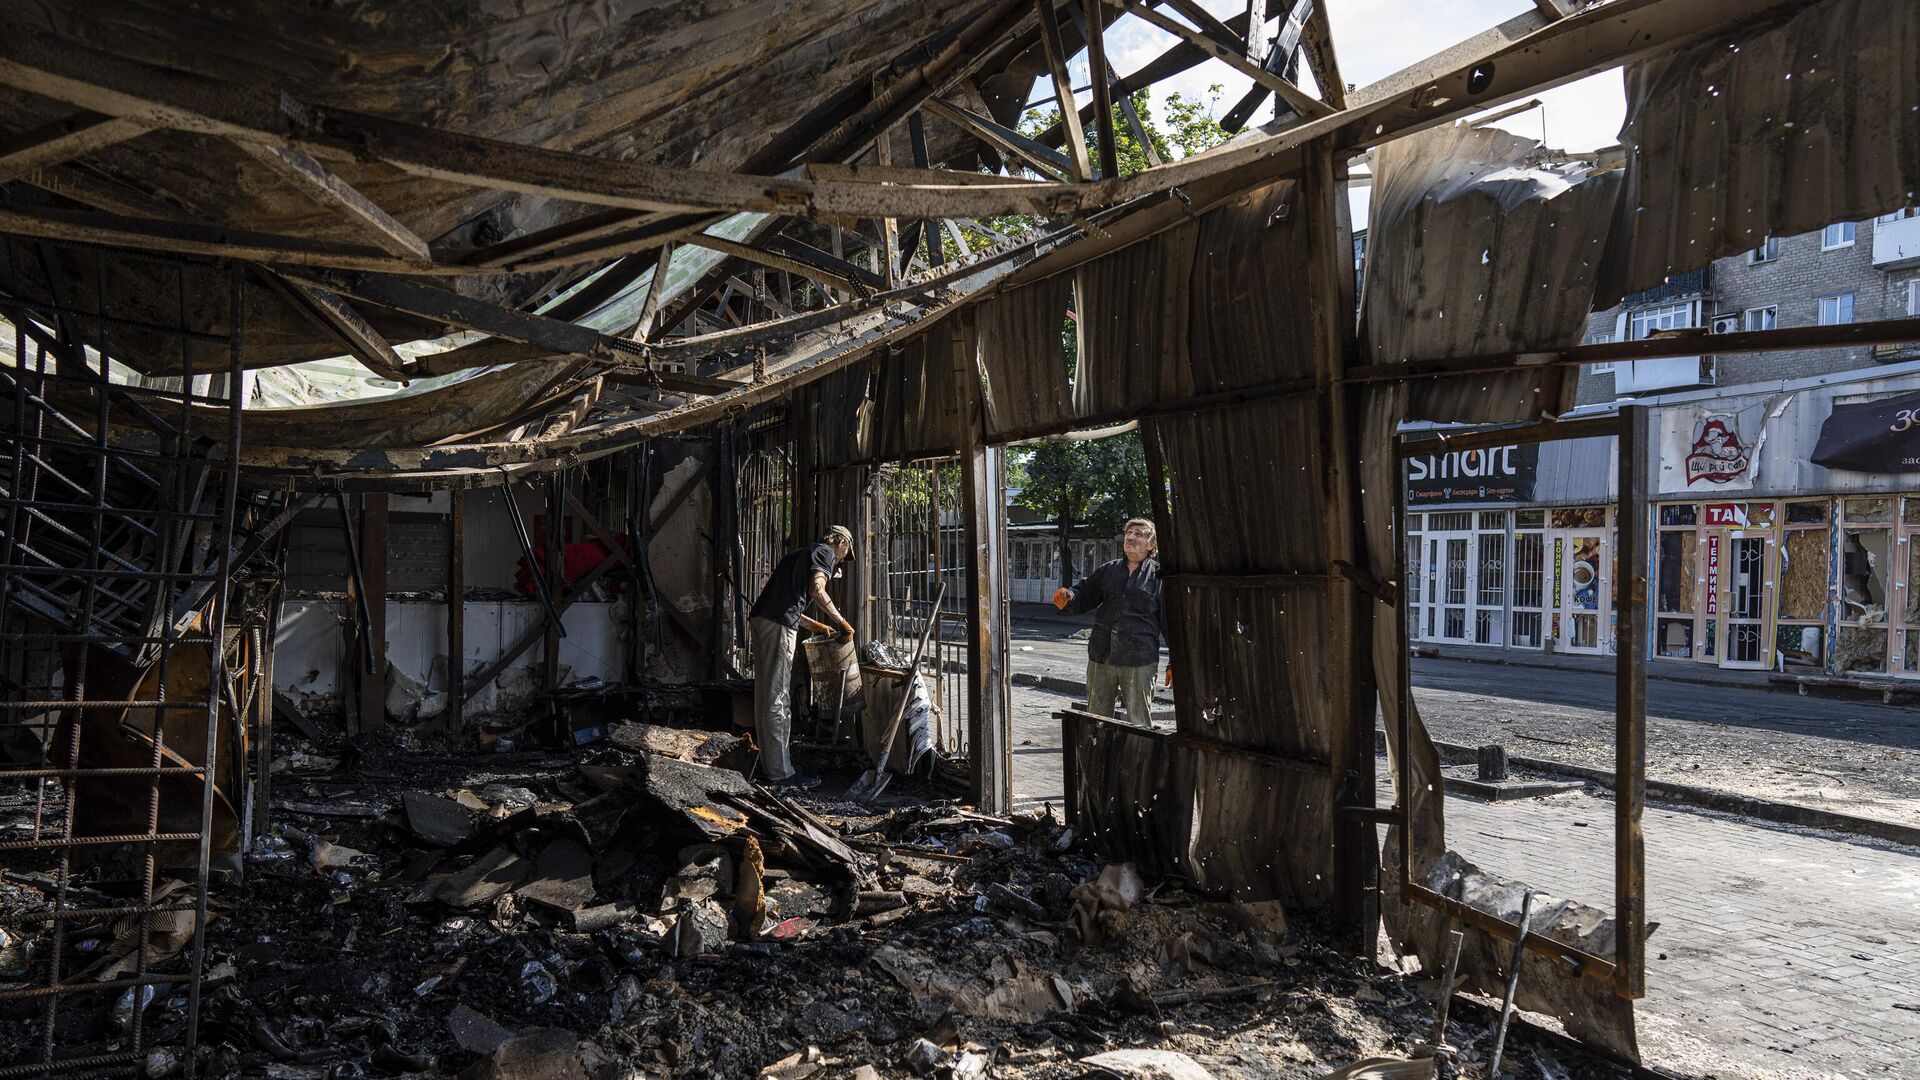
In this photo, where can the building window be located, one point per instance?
(1835, 310)
(1898, 215)
(1913, 297)
(1837, 235)
(1761, 318)
(1603, 338)
(1646, 322)
(1768, 251)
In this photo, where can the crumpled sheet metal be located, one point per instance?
(903, 403)
(1123, 793)
(1134, 310)
(1777, 130)
(1251, 298)
(1214, 459)
(1243, 825)
(1248, 655)
(1473, 249)
(1023, 359)
(1588, 1007)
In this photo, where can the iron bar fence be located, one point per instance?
(121, 775)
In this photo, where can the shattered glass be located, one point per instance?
(1863, 576)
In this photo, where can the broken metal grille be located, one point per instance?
(115, 561)
(765, 492)
(918, 542)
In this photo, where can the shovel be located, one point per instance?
(875, 780)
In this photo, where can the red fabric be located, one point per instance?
(578, 560)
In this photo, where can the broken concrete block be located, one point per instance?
(436, 821)
(540, 1054)
(474, 1032)
(1143, 1064)
(700, 930)
(485, 879)
(562, 878)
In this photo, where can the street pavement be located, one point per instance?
(1781, 953)
(1848, 756)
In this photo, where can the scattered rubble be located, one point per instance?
(641, 912)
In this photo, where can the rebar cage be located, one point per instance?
(127, 685)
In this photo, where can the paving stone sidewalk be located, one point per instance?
(1781, 953)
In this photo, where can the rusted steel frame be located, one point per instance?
(217, 665)
(456, 607)
(1075, 141)
(1356, 851)
(526, 552)
(357, 583)
(1627, 971)
(1234, 58)
(332, 314)
(115, 322)
(1321, 56)
(1841, 336)
(161, 771)
(777, 261)
(989, 691)
(335, 195)
(1545, 54)
(61, 141)
(59, 989)
(1043, 160)
(553, 571)
(1500, 929)
(656, 289)
(1634, 529)
(1417, 443)
(1403, 660)
(128, 1060)
(138, 703)
(444, 305)
(75, 914)
(58, 843)
(112, 230)
(1094, 26)
(1176, 59)
(1281, 59)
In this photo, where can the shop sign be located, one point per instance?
(1496, 474)
(1705, 450)
(1725, 515)
(1872, 436)
(1713, 573)
(1718, 456)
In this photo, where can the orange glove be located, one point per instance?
(1060, 597)
(1169, 676)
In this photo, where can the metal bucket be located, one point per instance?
(834, 669)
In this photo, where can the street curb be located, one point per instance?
(1712, 799)
(1652, 672)
(1066, 686)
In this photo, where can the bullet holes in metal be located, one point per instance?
(1479, 78)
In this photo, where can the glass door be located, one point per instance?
(1583, 577)
(1744, 599)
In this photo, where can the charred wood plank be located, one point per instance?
(61, 141)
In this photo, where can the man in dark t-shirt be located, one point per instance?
(778, 615)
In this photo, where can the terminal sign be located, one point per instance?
(1495, 474)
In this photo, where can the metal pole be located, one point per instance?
(1630, 705)
(1513, 985)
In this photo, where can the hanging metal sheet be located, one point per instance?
(1780, 129)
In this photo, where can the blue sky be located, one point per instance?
(1375, 38)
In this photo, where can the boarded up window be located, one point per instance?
(1803, 574)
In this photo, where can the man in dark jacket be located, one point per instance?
(778, 614)
(1129, 623)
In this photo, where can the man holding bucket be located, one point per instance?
(775, 625)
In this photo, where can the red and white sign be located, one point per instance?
(1713, 573)
(1726, 515)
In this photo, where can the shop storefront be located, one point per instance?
(1785, 537)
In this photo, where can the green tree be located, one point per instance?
(1097, 483)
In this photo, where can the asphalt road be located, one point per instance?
(1849, 756)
